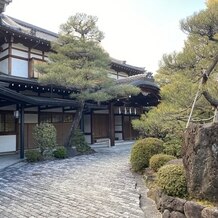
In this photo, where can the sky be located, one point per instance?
(137, 31)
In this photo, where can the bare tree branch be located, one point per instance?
(210, 99)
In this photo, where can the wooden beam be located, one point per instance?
(111, 124)
(22, 132)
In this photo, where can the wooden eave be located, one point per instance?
(129, 69)
(9, 34)
(22, 84)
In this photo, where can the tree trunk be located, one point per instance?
(75, 124)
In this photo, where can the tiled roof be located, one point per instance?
(124, 64)
(3, 3)
(140, 80)
(27, 29)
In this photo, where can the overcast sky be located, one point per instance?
(138, 31)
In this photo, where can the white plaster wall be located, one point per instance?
(22, 54)
(20, 46)
(46, 36)
(118, 128)
(113, 76)
(101, 112)
(53, 110)
(87, 123)
(19, 68)
(118, 136)
(4, 46)
(9, 108)
(32, 109)
(122, 75)
(118, 120)
(30, 118)
(4, 53)
(4, 66)
(7, 143)
(36, 56)
(88, 139)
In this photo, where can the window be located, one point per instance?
(57, 118)
(45, 118)
(7, 122)
(68, 118)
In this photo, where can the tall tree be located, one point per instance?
(80, 62)
(180, 74)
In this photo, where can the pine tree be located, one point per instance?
(180, 74)
(80, 62)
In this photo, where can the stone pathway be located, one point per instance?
(93, 186)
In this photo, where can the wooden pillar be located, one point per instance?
(92, 136)
(111, 124)
(82, 122)
(21, 132)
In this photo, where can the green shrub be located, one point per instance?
(158, 160)
(173, 148)
(172, 145)
(171, 178)
(78, 141)
(60, 152)
(143, 150)
(33, 156)
(44, 135)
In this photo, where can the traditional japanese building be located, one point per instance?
(24, 102)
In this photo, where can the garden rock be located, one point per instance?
(200, 158)
(176, 214)
(209, 212)
(166, 214)
(192, 210)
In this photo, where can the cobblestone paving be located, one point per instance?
(93, 186)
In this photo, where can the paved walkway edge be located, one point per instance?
(147, 205)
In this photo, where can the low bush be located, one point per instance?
(44, 135)
(33, 156)
(78, 141)
(60, 152)
(158, 160)
(143, 150)
(171, 178)
(173, 147)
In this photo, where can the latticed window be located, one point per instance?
(7, 122)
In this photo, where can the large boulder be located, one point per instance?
(192, 209)
(209, 212)
(200, 159)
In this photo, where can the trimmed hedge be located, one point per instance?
(44, 135)
(60, 152)
(143, 150)
(171, 178)
(33, 156)
(158, 160)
